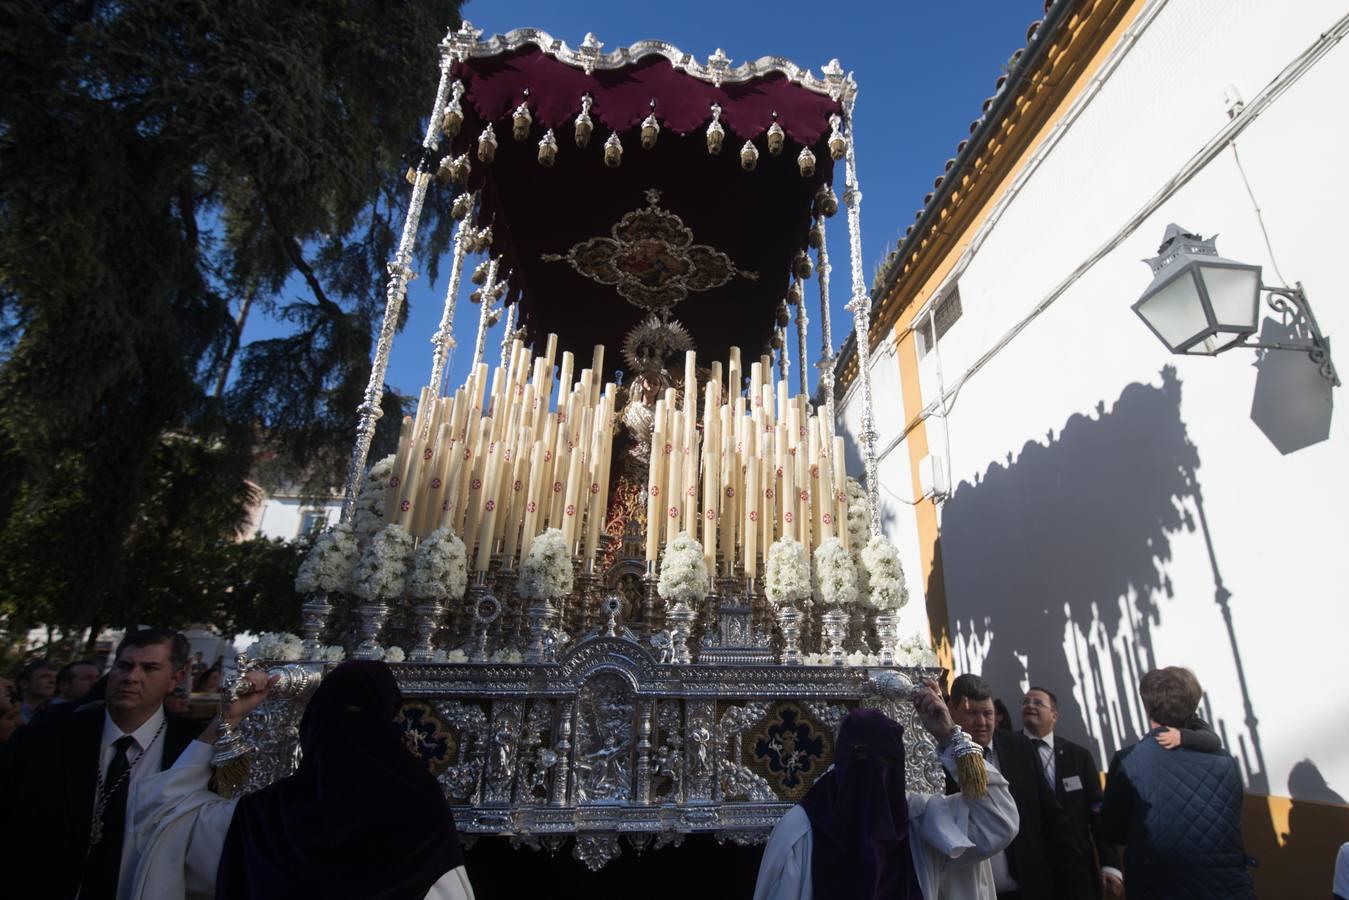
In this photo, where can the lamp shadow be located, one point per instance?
(1293, 403)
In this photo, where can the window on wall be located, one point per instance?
(943, 315)
(312, 522)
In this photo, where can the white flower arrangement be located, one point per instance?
(858, 525)
(835, 574)
(449, 656)
(914, 650)
(333, 653)
(859, 531)
(788, 573)
(394, 654)
(506, 656)
(330, 562)
(849, 659)
(886, 575)
(383, 569)
(368, 517)
(546, 573)
(683, 571)
(281, 646)
(440, 569)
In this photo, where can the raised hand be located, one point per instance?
(251, 695)
(932, 711)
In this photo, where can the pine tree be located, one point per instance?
(165, 168)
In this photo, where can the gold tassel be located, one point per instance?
(972, 775)
(231, 776)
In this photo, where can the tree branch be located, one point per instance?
(296, 256)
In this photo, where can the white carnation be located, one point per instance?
(456, 655)
(859, 530)
(383, 569)
(394, 655)
(858, 525)
(546, 572)
(333, 653)
(330, 562)
(440, 569)
(835, 574)
(881, 560)
(788, 573)
(683, 571)
(368, 517)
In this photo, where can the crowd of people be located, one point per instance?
(106, 793)
(110, 798)
(1167, 823)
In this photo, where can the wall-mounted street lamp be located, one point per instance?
(1202, 304)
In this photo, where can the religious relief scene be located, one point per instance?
(459, 460)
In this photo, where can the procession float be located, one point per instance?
(622, 573)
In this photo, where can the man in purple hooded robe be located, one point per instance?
(859, 835)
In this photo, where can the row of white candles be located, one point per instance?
(761, 467)
(764, 466)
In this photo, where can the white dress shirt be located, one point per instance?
(146, 755)
(950, 839)
(1046, 751)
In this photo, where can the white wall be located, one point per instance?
(282, 516)
(896, 493)
(1107, 493)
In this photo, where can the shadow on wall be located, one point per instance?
(1292, 403)
(1297, 863)
(1055, 561)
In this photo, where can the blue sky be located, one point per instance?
(923, 71)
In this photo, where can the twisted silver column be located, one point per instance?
(443, 340)
(488, 293)
(400, 273)
(827, 356)
(801, 323)
(860, 307)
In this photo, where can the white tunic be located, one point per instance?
(951, 839)
(176, 828)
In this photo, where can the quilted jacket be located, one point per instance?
(1178, 813)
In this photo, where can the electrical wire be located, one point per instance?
(1279, 85)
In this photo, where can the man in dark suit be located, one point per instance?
(64, 782)
(1046, 860)
(1072, 772)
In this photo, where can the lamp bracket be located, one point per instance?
(1285, 300)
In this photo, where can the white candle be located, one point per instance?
(655, 484)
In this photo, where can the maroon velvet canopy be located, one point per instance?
(592, 249)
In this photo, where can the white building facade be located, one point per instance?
(291, 517)
(1109, 508)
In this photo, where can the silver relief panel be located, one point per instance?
(604, 740)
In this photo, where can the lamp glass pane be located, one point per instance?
(1175, 311)
(1234, 293)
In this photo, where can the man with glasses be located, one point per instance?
(1045, 861)
(1071, 771)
